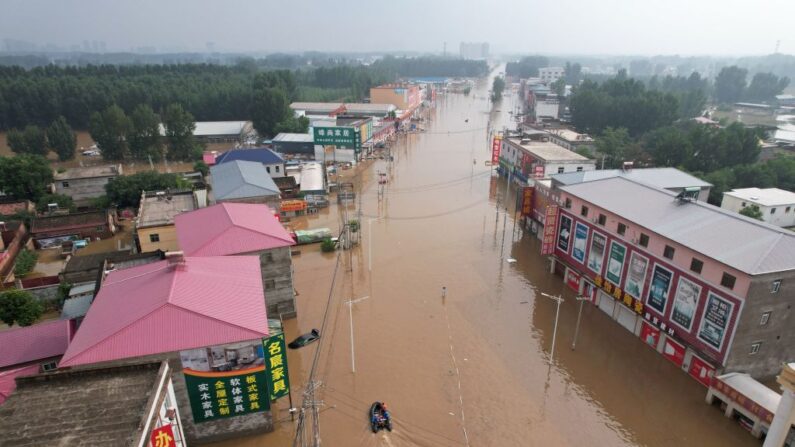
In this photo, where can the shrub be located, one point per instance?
(327, 245)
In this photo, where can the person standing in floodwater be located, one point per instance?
(444, 292)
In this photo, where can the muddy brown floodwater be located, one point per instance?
(472, 368)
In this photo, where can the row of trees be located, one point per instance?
(58, 137)
(731, 85)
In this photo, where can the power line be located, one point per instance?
(428, 216)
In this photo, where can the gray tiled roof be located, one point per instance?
(241, 179)
(745, 244)
(658, 177)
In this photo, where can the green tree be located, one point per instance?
(497, 88)
(144, 137)
(616, 146)
(25, 176)
(61, 139)
(752, 211)
(31, 140)
(25, 262)
(19, 306)
(201, 166)
(64, 202)
(180, 125)
(668, 146)
(270, 107)
(765, 87)
(730, 84)
(125, 191)
(293, 125)
(559, 87)
(110, 130)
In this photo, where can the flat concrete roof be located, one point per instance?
(764, 196)
(160, 209)
(294, 138)
(89, 172)
(549, 152)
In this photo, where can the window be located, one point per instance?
(584, 211)
(727, 280)
(765, 318)
(696, 265)
(270, 284)
(772, 211)
(154, 237)
(644, 240)
(567, 203)
(755, 347)
(579, 168)
(277, 169)
(602, 219)
(268, 168)
(65, 184)
(560, 170)
(787, 209)
(775, 285)
(743, 205)
(669, 252)
(622, 228)
(268, 256)
(49, 366)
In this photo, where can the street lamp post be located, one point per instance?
(558, 300)
(581, 299)
(350, 304)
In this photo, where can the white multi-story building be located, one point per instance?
(549, 75)
(474, 50)
(777, 205)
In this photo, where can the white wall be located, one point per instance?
(779, 217)
(553, 168)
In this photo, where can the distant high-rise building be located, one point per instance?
(474, 50)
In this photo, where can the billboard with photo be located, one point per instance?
(685, 303)
(615, 263)
(636, 275)
(564, 237)
(580, 241)
(659, 288)
(715, 321)
(596, 255)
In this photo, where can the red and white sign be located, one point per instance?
(674, 352)
(550, 230)
(527, 200)
(573, 279)
(538, 172)
(701, 371)
(650, 334)
(496, 144)
(163, 437)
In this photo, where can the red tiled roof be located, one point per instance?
(229, 229)
(30, 343)
(8, 209)
(160, 307)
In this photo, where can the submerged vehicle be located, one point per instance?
(379, 417)
(305, 339)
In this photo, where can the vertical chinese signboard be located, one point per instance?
(550, 227)
(527, 200)
(225, 381)
(496, 143)
(163, 437)
(278, 377)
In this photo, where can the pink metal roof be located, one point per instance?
(208, 158)
(157, 308)
(8, 379)
(30, 343)
(229, 229)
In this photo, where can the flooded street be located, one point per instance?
(471, 368)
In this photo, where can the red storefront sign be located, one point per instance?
(743, 400)
(495, 150)
(674, 352)
(573, 279)
(538, 172)
(550, 230)
(527, 200)
(650, 335)
(701, 371)
(163, 437)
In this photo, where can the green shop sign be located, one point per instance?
(276, 360)
(216, 395)
(344, 137)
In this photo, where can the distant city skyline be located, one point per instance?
(566, 27)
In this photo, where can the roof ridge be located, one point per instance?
(186, 309)
(772, 246)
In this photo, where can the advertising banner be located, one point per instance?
(596, 256)
(659, 289)
(715, 320)
(615, 263)
(548, 243)
(685, 302)
(293, 205)
(565, 233)
(344, 137)
(527, 200)
(225, 381)
(573, 279)
(701, 371)
(580, 241)
(649, 334)
(674, 352)
(163, 437)
(496, 143)
(743, 400)
(636, 275)
(278, 377)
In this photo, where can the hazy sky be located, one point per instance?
(552, 26)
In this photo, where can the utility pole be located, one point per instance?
(581, 299)
(350, 304)
(558, 300)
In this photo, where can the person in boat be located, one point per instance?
(385, 411)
